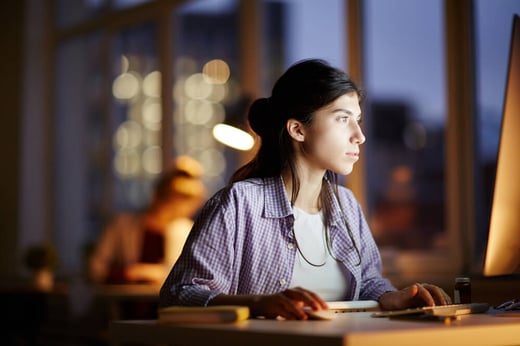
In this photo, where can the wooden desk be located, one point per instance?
(350, 329)
(115, 295)
(128, 291)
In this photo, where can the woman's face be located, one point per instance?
(332, 140)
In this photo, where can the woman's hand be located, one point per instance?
(414, 296)
(288, 304)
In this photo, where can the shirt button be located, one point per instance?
(282, 282)
(290, 246)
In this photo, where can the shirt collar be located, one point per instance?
(336, 212)
(277, 204)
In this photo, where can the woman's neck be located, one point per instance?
(308, 198)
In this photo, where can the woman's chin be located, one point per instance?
(344, 170)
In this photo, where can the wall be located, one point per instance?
(11, 59)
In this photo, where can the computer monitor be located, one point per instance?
(503, 246)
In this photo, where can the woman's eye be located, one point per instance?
(346, 118)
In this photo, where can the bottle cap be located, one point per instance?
(462, 279)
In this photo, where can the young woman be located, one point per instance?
(284, 234)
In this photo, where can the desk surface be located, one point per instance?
(141, 291)
(350, 329)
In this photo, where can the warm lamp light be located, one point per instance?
(233, 137)
(233, 130)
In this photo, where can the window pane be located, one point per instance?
(207, 86)
(80, 147)
(405, 121)
(295, 30)
(107, 133)
(69, 13)
(128, 3)
(493, 25)
(135, 118)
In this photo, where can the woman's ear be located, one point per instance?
(295, 129)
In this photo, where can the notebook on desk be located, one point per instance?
(203, 314)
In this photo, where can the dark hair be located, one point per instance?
(303, 89)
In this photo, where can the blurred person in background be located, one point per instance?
(142, 247)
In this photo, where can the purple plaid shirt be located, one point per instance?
(242, 243)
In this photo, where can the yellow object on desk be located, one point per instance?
(208, 314)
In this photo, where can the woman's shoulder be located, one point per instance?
(252, 184)
(345, 192)
(255, 186)
(248, 191)
(347, 196)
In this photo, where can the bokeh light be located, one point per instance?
(218, 93)
(128, 135)
(152, 114)
(213, 161)
(125, 64)
(216, 71)
(126, 86)
(127, 162)
(151, 159)
(152, 84)
(198, 112)
(197, 87)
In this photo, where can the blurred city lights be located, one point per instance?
(216, 71)
(126, 86)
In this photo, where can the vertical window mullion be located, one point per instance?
(460, 130)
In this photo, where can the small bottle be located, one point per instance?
(462, 291)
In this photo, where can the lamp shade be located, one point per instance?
(233, 132)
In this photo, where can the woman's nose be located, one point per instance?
(358, 137)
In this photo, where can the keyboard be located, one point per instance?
(339, 307)
(439, 310)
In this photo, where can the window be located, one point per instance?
(134, 116)
(207, 85)
(405, 123)
(70, 13)
(79, 144)
(100, 167)
(295, 30)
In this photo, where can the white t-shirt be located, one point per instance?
(326, 279)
